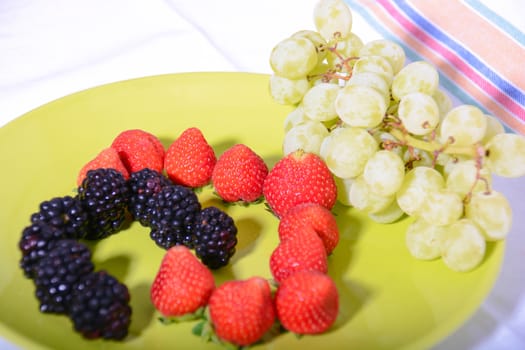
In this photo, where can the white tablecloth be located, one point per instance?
(49, 49)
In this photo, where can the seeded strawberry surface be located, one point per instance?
(139, 149)
(108, 158)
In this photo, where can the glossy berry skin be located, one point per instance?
(242, 311)
(303, 252)
(182, 284)
(189, 160)
(312, 215)
(108, 158)
(139, 149)
(307, 302)
(239, 175)
(299, 177)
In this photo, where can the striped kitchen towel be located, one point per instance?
(479, 54)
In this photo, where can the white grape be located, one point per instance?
(449, 161)
(506, 155)
(346, 151)
(423, 239)
(419, 113)
(388, 49)
(418, 76)
(372, 80)
(416, 185)
(463, 246)
(494, 127)
(465, 178)
(443, 101)
(346, 48)
(293, 58)
(387, 215)
(295, 117)
(374, 64)
(418, 158)
(331, 17)
(343, 190)
(442, 207)
(288, 91)
(319, 102)
(388, 141)
(363, 198)
(307, 136)
(492, 212)
(384, 173)
(463, 125)
(360, 106)
(316, 39)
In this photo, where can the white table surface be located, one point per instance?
(52, 48)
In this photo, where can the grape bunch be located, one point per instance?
(394, 140)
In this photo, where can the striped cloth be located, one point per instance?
(480, 55)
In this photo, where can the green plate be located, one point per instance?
(388, 299)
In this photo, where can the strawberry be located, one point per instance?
(302, 252)
(299, 177)
(307, 302)
(315, 216)
(108, 158)
(139, 149)
(242, 311)
(189, 160)
(239, 174)
(182, 284)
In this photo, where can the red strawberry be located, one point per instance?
(189, 160)
(299, 177)
(139, 149)
(307, 302)
(242, 311)
(239, 174)
(302, 252)
(182, 284)
(108, 158)
(315, 216)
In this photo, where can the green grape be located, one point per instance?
(506, 155)
(463, 125)
(492, 212)
(388, 49)
(388, 141)
(319, 102)
(416, 185)
(388, 215)
(443, 102)
(423, 239)
(384, 173)
(418, 76)
(307, 136)
(374, 64)
(343, 190)
(295, 117)
(494, 127)
(293, 58)
(418, 158)
(373, 80)
(363, 198)
(464, 178)
(288, 91)
(346, 48)
(360, 106)
(419, 113)
(331, 17)
(346, 151)
(463, 246)
(316, 39)
(449, 161)
(442, 207)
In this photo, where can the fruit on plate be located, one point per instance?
(139, 149)
(242, 311)
(239, 175)
(307, 302)
(182, 284)
(299, 177)
(190, 159)
(107, 158)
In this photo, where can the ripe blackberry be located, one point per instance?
(34, 244)
(65, 213)
(143, 185)
(104, 195)
(99, 307)
(215, 237)
(173, 216)
(66, 262)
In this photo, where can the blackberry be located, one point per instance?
(34, 244)
(65, 213)
(143, 185)
(215, 237)
(65, 263)
(173, 216)
(104, 194)
(99, 307)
